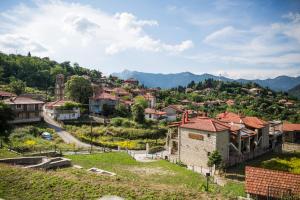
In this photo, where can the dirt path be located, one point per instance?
(66, 136)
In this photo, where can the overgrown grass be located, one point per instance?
(155, 173)
(125, 137)
(5, 153)
(27, 138)
(134, 180)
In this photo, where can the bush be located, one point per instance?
(156, 149)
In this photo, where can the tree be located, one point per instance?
(107, 110)
(79, 89)
(138, 113)
(141, 100)
(122, 111)
(6, 114)
(214, 159)
(29, 54)
(17, 86)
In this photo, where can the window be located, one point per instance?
(196, 136)
(208, 153)
(18, 106)
(208, 135)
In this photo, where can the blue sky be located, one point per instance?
(237, 39)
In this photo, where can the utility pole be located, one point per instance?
(91, 137)
(207, 179)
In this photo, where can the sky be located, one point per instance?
(236, 39)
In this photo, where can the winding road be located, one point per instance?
(66, 136)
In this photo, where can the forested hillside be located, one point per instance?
(295, 91)
(214, 97)
(38, 72)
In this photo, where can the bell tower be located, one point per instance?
(59, 87)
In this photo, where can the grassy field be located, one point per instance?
(134, 180)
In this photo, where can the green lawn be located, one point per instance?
(134, 180)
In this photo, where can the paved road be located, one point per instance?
(66, 136)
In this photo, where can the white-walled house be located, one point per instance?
(58, 111)
(173, 111)
(154, 114)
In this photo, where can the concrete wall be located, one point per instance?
(223, 140)
(265, 135)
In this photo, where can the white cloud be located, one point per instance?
(277, 44)
(75, 30)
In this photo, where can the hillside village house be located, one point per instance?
(132, 81)
(291, 133)
(6, 95)
(236, 138)
(56, 110)
(151, 100)
(173, 111)
(26, 109)
(153, 114)
(97, 101)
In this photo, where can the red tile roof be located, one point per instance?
(22, 100)
(290, 127)
(106, 96)
(153, 111)
(7, 94)
(178, 108)
(260, 180)
(57, 103)
(205, 124)
(253, 122)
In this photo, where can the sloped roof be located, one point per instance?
(260, 180)
(291, 127)
(205, 124)
(105, 95)
(230, 117)
(22, 100)
(7, 94)
(153, 111)
(57, 103)
(178, 108)
(253, 122)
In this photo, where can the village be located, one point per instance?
(203, 144)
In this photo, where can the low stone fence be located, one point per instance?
(23, 160)
(39, 162)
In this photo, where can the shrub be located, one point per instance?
(156, 149)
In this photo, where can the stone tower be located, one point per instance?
(59, 87)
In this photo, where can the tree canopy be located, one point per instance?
(78, 89)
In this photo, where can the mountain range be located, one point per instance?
(280, 83)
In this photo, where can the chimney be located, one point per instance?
(183, 118)
(186, 119)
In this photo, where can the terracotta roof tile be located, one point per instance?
(7, 94)
(107, 96)
(260, 180)
(22, 100)
(153, 111)
(291, 127)
(205, 124)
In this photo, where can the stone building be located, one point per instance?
(97, 102)
(235, 137)
(59, 87)
(26, 109)
(58, 111)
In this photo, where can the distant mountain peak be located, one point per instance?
(283, 83)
